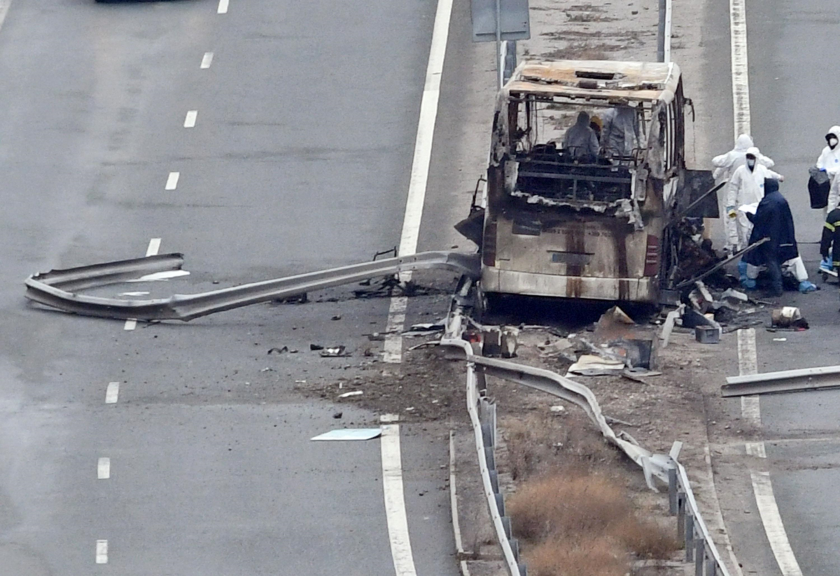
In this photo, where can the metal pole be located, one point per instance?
(500, 67)
(667, 35)
(660, 44)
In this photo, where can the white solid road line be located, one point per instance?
(773, 526)
(130, 324)
(765, 499)
(172, 180)
(392, 486)
(103, 469)
(101, 551)
(154, 247)
(747, 354)
(740, 69)
(189, 121)
(206, 60)
(112, 393)
(223, 6)
(419, 171)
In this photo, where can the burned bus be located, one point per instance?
(586, 172)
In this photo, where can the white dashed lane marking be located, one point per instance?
(154, 247)
(223, 6)
(103, 468)
(112, 393)
(189, 121)
(101, 551)
(172, 180)
(206, 60)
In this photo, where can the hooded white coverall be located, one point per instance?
(620, 135)
(580, 140)
(745, 188)
(829, 161)
(726, 164)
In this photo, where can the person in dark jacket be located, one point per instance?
(773, 220)
(830, 243)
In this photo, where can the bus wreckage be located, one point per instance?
(587, 192)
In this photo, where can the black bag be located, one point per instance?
(819, 185)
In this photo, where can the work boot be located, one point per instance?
(826, 265)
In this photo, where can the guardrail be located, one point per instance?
(691, 528)
(54, 288)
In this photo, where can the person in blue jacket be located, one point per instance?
(773, 220)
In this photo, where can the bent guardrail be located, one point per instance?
(700, 548)
(54, 288)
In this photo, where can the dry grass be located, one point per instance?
(538, 445)
(559, 558)
(579, 522)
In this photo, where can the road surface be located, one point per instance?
(261, 139)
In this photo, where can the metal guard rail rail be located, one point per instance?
(699, 545)
(54, 288)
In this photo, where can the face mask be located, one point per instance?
(751, 163)
(832, 142)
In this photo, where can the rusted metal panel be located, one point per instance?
(54, 288)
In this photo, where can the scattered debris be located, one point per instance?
(278, 350)
(334, 352)
(788, 317)
(557, 409)
(338, 415)
(350, 434)
(349, 394)
(590, 365)
(316, 347)
(336, 317)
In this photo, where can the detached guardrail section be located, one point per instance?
(691, 529)
(54, 288)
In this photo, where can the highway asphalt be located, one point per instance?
(793, 103)
(299, 160)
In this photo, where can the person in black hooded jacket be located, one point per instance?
(773, 220)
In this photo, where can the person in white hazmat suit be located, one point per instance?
(725, 166)
(829, 162)
(746, 189)
(580, 140)
(620, 134)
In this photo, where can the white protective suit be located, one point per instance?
(580, 140)
(829, 161)
(620, 135)
(746, 187)
(726, 164)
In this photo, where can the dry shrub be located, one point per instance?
(579, 522)
(572, 505)
(647, 539)
(563, 558)
(539, 444)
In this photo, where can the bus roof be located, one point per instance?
(597, 80)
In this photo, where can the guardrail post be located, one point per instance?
(699, 557)
(711, 567)
(672, 491)
(689, 537)
(681, 516)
